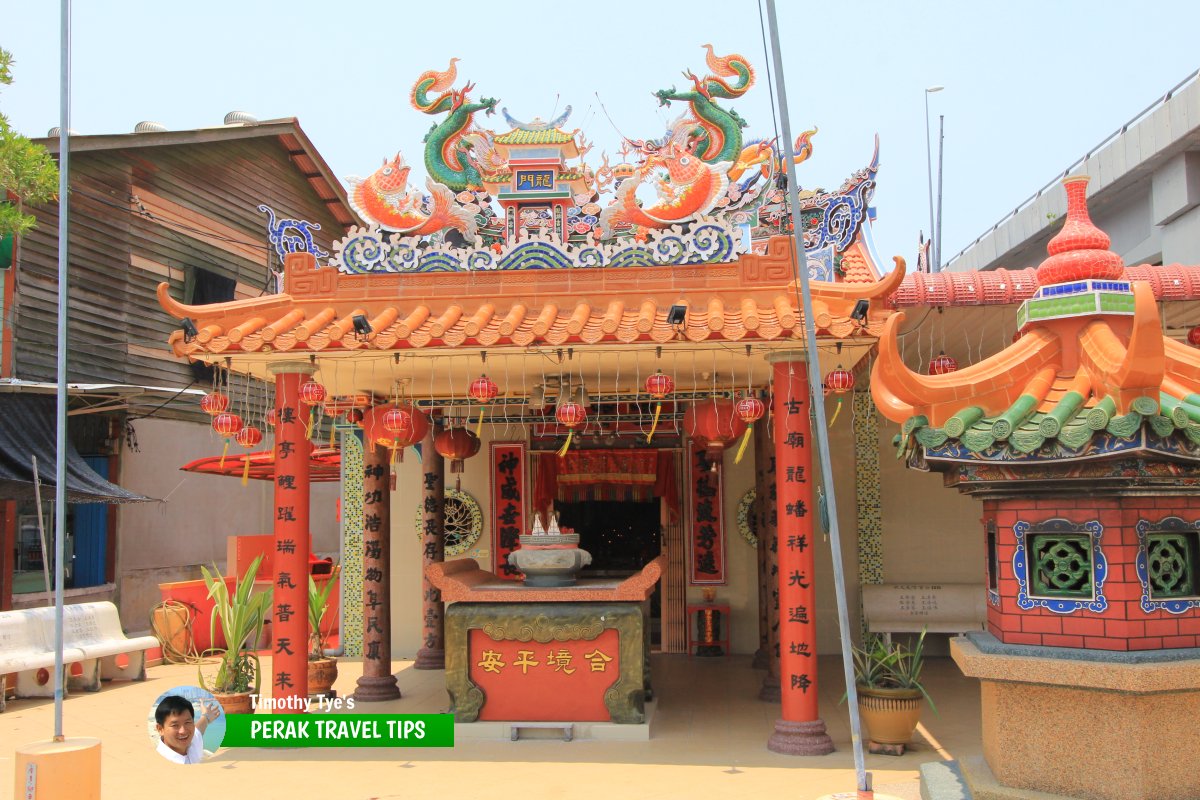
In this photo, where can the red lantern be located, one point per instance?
(248, 436)
(716, 424)
(226, 424)
(312, 393)
(273, 417)
(942, 365)
(484, 390)
(658, 386)
(456, 444)
(1194, 336)
(214, 403)
(750, 409)
(395, 427)
(839, 381)
(572, 415)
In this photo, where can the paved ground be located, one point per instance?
(708, 741)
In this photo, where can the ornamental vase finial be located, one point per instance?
(1080, 250)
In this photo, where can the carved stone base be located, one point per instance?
(430, 659)
(800, 738)
(376, 690)
(760, 659)
(770, 692)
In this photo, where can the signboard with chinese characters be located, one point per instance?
(708, 537)
(533, 180)
(518, 677)
(508, 503)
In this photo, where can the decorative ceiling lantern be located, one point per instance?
(658, 386)
(248, 437)
(456, 444)
(226, 425)
(484, 390)
(942, 364)
(572, 415)
(715, 423)
(312, 393)
(838, 381)
(273, 417)
(750, 409)
(1194, 336)
(214, 403)
(395, 427)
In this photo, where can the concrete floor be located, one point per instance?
(708, 740)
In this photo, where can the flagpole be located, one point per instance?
(60, 472)
(818, 405)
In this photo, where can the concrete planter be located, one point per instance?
(238, 703)
(321, 675)
(891, 715)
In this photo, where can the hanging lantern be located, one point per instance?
(484, 390)
(716, 424)
(312, 394)
(572, 415)
(456, 444)
(214, 403)
(750, 409)
(247, 436)
(395, 427)
(838, 381)
(658, 386)
(273, 417)
(1194, 336)
(942, 365)
(226, 425)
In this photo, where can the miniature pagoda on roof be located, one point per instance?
(1082, 438)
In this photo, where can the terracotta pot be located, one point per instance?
(321, 675)
(238, 703)
(890, 715)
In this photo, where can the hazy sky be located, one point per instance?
(1030, 86)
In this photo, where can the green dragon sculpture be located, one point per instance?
(719, 134)
(446, 150)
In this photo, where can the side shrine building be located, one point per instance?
(611, 358)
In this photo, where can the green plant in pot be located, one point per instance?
(241, 614)
(322, 669)
(888, 675)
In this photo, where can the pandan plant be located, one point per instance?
(241, 615)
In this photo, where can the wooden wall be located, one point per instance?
(142, 215)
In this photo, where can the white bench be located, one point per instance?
(92, 637)
(26, 653)
(936, 607)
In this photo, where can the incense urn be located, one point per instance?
(549, 559)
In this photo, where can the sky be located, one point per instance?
(1029, 86)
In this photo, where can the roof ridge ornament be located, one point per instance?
(1080, 250)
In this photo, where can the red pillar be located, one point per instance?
(800, 731)
(377, 682)
(768, 540)
(289, 623)
(432, 654)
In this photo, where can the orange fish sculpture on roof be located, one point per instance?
(691, 188)
(385, 200)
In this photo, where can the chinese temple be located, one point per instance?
(1082, 440)
(610, 357)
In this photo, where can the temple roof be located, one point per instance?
(751, 298)
(551, 136)
(1091, 373)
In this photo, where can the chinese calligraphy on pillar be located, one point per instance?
(432, 654)
(508, 503)
(377, 681)
(795, 512)
(289, 662)
(708, 539)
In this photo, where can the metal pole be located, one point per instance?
(929, 172)
(818, 404)
(941, 142)
(60, 472)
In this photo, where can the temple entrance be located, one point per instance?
(622, 537)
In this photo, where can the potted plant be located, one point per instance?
(888, 676)
(322, 669)
(241, 615)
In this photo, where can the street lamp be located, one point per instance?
(933, 254)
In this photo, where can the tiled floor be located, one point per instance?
(708, 741)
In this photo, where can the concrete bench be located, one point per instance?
(567, 728)
(936, 607)
(95, 630)
(25, 651)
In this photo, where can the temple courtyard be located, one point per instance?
(708, 740)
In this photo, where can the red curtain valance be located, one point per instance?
(639, 475)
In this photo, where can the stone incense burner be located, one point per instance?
(549, 559)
